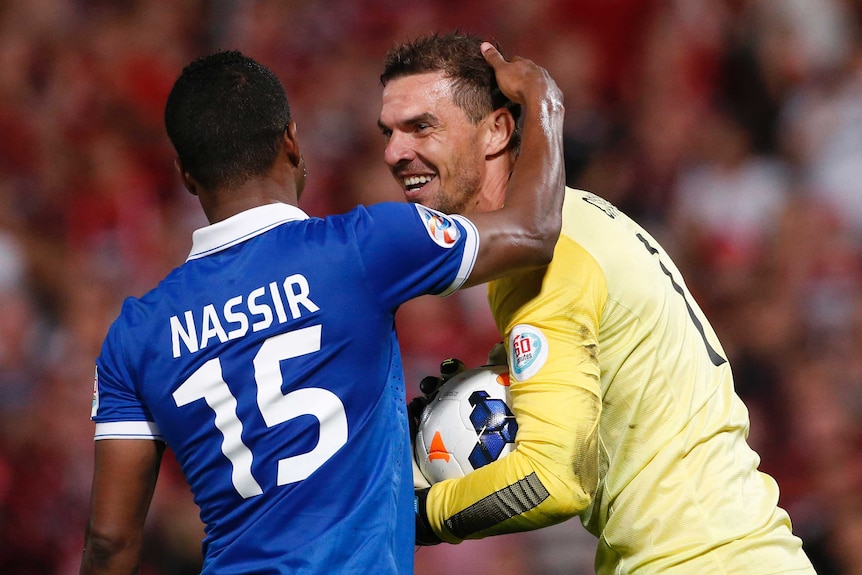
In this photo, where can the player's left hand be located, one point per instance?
(428, 386)
(431, 383)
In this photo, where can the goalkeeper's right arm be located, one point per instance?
(552, 473)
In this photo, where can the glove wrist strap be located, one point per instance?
(424, 534)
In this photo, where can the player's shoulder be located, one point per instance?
(377, 216)
(590, 217)
(403, 220)
(137, 310)
(135, 315)
(378, 210)
(590, 205)
(605, 232)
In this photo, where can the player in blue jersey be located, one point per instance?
(268, 361)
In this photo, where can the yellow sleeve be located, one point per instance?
(550, 318)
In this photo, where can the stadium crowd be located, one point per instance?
(731, 129)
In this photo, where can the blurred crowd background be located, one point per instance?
(731, 129)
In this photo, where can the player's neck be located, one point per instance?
(252, 194)
(492, 194)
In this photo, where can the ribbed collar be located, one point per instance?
(243, 226)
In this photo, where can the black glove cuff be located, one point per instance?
(414, 414)
(424, 534)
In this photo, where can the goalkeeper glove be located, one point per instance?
(428, 386)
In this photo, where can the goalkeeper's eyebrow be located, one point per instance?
(423, 118)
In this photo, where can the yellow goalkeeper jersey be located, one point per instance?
(627, 416)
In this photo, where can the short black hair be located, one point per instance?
(458, 57)
(225, 117)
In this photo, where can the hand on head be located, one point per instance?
(520, 79)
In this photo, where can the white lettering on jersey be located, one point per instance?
(232, 320)
(298, 296)
(188, 335)
(259, 309)
(528, 351)
(279, 305)
(211, 326)
(235, 317)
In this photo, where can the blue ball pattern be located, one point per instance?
(495, 426)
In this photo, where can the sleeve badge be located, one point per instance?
(528, 351)
(440, 227)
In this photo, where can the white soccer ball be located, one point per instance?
(468, 424)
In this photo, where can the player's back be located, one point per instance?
(677, 480)
(268, 364)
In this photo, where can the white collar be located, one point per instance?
(243, 226)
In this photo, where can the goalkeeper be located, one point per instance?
(623, 394)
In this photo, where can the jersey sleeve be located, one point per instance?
(551, 326)
(409, 250)
(117, 409)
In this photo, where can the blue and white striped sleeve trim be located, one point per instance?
(471, 251)
(128, 430)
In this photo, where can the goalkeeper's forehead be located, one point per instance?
(408, 98)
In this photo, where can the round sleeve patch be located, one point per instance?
(439, 226)
(528, 351)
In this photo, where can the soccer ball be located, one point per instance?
(467, 425)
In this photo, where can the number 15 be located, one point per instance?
(276, 407)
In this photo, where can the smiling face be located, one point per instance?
(435, 153)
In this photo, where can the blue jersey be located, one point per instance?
(268, 363)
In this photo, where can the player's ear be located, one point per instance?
(500, 126)
(291, 145)
(188, 181)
